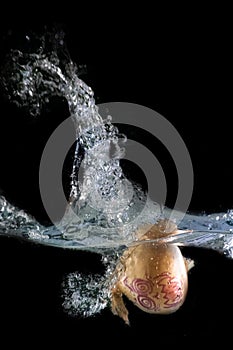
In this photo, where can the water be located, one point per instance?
(212, 231)
(104, 208)
(104, 198)
(88, 294)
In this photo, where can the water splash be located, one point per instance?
(109, 207)
(104, 197)
(211, 231)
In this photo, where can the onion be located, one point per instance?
(152, 275)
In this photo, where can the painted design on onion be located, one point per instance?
(140, 286)
(171, 289)
(141, 289)
(153, 276)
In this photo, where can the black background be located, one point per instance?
(174, 59)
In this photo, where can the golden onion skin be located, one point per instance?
(153, 276)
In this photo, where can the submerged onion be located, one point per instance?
(152, 275)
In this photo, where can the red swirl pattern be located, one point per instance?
(146, 302)
(141, 286)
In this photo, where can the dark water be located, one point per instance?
(178, 65)
(31, 305)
